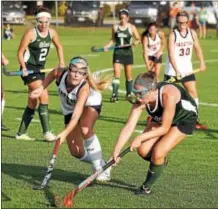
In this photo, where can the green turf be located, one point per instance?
(190, 180)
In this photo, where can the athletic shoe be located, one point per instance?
(24, 137)
(4, 128)
(143, 190)
(49, 136)
(200, 126)
(131, 99)
(114, 99)
(105, 176)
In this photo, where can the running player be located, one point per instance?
(4, 62)
(174, 114)
(153, 44)
(122, 34)
(180, 45)
(81, 105)
(32, 53)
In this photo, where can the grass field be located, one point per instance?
(189, 181)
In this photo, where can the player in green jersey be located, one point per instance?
(174, 115)
(33, 50)
(122, 34)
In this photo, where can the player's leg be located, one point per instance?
(157, 71)
(158, 158)
(190, 85)
(44, 116)
(27, 115)
(128, 75)
(204, 31)
(91, 141)
(3, 127)
(116, 81)
(200, 30)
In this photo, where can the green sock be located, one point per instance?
(44, 117)
(128, 87)
(153, 174)
(26, 119)
(115, 85)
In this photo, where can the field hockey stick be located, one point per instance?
(68, 198)
(179, 78)
(95, 49)
(50, 167)
(19, 73)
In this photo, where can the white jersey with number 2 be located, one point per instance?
(183, 54)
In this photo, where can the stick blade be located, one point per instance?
(40, 187)
(94, 49)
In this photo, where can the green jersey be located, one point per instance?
(186, 108)
(123, 37)
(38, 49)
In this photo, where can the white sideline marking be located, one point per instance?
(138, 131)
(214, 50)
(33, 120)
(90, 55)
(143, 65)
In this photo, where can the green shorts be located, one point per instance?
(123, 59)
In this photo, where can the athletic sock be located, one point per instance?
(115, 86)
(44, 117)
(128, 87)
(94, 153)
(154, 172)
(3, 105)
(26, 119)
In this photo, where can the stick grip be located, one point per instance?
(110, 163)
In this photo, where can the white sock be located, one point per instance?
(3, 105)
(93, 147)
(196, 101)
(86, 157)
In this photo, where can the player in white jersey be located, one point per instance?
(153, 44)
(180, 44)
(81, 106)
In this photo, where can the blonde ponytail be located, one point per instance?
(97, 81)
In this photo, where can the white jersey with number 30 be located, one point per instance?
(183, 53)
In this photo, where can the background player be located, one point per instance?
(32, 53)
(122, 34)
(180, 45)
(153, 44)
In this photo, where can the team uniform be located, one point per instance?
(68, 100)
(35, 56)
(186, 110)
(122, 37)
(153, 47)
(183, 56)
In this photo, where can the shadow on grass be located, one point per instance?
(5, 198)
(210, 133)
(34, 175)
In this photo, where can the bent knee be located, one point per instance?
(86, 131)
(158, 156)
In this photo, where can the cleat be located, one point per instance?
(143, 190)
(49, 137)
(131, 99)
(114, 99)
(104, 176)
(200, 126)
(24, 137)
(4, 128)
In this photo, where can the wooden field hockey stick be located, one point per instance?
(50, 168)
(95, 49)
(179, 78)
(67, 201)
(19, 73)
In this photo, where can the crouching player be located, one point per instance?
(81, 106)
(174, 115)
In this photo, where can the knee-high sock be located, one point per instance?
(93, 153)
(154, 172)
(115, 86)
(26, 119)
(44, 117)
(128, 87)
